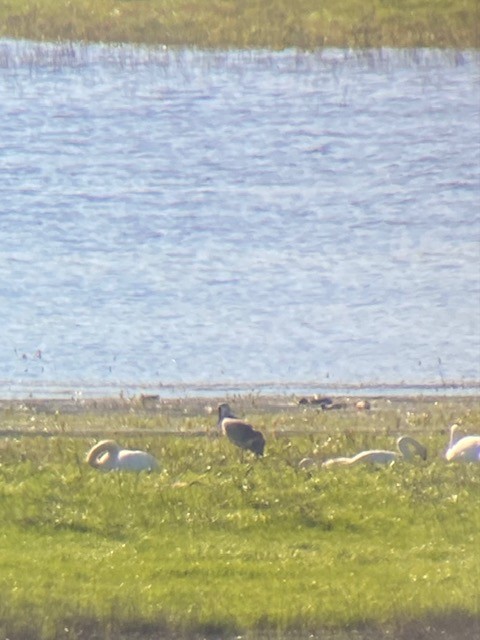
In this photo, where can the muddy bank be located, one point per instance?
(248, 403)
(151, 415)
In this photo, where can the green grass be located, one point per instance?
(272, 24)
(217, 544)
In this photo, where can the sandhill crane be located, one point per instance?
(466, 449)
(407, 448)
(107, 455)
(239, 432)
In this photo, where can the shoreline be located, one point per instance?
(124, 392)
(256, 402)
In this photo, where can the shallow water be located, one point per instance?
(187, 220)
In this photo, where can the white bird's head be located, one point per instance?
(100, 454)
(455, 433)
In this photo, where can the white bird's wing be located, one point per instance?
(466, 449)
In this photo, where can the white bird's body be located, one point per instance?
(107, 455)
(239, 432)
(407, 448)
(466, 449)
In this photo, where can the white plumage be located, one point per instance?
(107, 455)
(407, 448)
(466, 449)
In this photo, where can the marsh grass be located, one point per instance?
(224, 24)
(215, 546)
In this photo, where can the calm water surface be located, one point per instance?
(237, 220)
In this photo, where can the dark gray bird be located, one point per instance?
(241, 433)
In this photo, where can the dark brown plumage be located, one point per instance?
(240, 433)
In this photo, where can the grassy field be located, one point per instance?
(272, 24)
(216, 546)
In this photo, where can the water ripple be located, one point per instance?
(237, 218)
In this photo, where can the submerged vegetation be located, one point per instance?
(220, 543)
(272, 24)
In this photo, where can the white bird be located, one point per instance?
(239, 432)
(466, 449)
(107, 455)
(407, 448)
(306, 463)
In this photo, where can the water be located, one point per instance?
(185, 220)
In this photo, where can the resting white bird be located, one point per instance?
(306, 463)
(466, 449)
(239, 432)
(107, 455)
(407, 448)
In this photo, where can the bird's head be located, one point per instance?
(224, 411)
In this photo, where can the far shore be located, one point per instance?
(257, 403)
(259, 24)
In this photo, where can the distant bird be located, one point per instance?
(327, 404)
(407, 448)
(362, 405)
(107, 455)
(239, 432)
(466, 449)
(334, 406)
(305, 463)
(322, 401)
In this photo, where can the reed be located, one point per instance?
(214, 546)
(271, 24)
